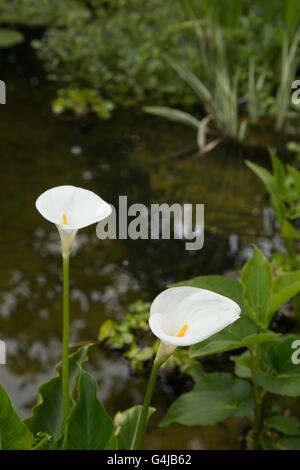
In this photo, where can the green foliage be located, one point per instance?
(10, 37)
(288, 426)
(266, 359)
(126, 426)
(288, 73)
(218, 92)
(131, 336)
(243, 55)
(214, 398)
(281, 376)
(242, 367)
(234, 84)
(40, 12)
(14, 435)
(81, 102)
(257, 288)
(89, 427)
(246, 331)
(47, 415)
(117, 48)
(283, 186)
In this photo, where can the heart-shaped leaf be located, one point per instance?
(282, 376)
(214, 398)
(285, 287)
(242, 333)
(47, 414)
(258, 288)
(89, 426)
(14, 435)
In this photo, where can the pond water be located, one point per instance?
(149, 160)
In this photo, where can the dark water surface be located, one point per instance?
(133, 155)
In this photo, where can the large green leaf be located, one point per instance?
(194, 82)
(283, 424)
(288, 442)
(89, 426)
(214, 398)
(242, 333)
(289, 231)
(48, 413)
(243, 365)
(282, 377)
(295, 175)
(173, 115)
(270, 184)
(291, 16)
(257, 287)
(285, 287)
(126, 426)
(282, 442)
(279, 174)
(14, 435)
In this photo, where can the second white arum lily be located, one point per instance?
(71, 208)
(181, 316)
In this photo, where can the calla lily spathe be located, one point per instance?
(71, 208)
(181, 316)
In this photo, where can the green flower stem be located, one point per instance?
(147, 400)
(258, 419)
(259, 395)
(65, 354)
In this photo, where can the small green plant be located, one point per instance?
(284, 189)
(218, 93)
(287, 76)
(81, 101)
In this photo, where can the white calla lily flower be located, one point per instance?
(181, 316)
(71, 208)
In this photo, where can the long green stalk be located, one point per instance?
(147, 400)
(163, 353)
(65, 355)
(259, 395)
